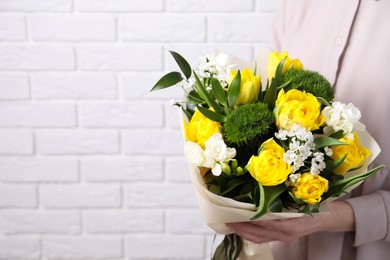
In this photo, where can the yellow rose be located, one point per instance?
(200, 129)
(356, 154)
(275, 58)
(310, 188)
(250, 86)
(268, 167)
(298, 107)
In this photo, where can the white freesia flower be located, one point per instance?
(340, 116)
(216, 153)
(217, 149)
(194, 153)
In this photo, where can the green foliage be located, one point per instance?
(309, 81)
(248, 123)
(229, 249)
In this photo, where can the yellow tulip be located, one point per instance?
(269, 168)
(200, 129)
(356, 154)
(250, 86)
(275, 58)
(298, 107)
(310, 188)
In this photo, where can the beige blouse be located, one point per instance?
(348, 41)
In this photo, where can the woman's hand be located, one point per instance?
(339, 219)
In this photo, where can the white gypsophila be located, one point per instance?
(217, 152)
(317, 163)
(340, 116)
(301, 146)
(194, 153)
(328, 151)
(217, 66)
(294, 177)
(289, 157)
(281, 135)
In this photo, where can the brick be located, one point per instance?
(122, 169)
(246, 28)
(14, 86)
(38, 169)
(153, 142)
(12, 28)
(157, 27)
(172, 118)
(41, 222)
(17, 196)
(71, 27)
(267, 5)
(36, 5)
(82, 247)
(184, 221)
(17, 114)
(209, 6)
(16, 142)
(80, 195)
(36, 57)
(77, 142)
(138, 86)
(150, 195)
(165, 246)
(176, 169)
(118, 57)
(118, 5)
(19, 247)
(74, 86)
(118, 114)
(124, 221)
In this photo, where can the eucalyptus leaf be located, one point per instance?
(183, 64)
(234, 90)
(168, 80)
(206, 96)
(219, 91)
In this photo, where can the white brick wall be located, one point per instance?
(91, 162)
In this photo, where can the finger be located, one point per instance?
(259, 234)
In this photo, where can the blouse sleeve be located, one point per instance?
(372, 211)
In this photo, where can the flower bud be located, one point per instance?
(226, 168)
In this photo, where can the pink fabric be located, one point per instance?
(348, 41)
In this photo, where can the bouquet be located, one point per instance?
(266, 141)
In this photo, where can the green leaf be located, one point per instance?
(267, 195)
(338, 187)
(271, 95)
(212, 115)
(206, 96)
(323, 101)
(229, 249)
(232, 184)
(183, 64)
(337, 135)
(325, 141)
(168, 80)
(234, 90)
(279, 73)
(331, 165)
(219, 91)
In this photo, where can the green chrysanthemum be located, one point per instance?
(309, 81)
(248, 124)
